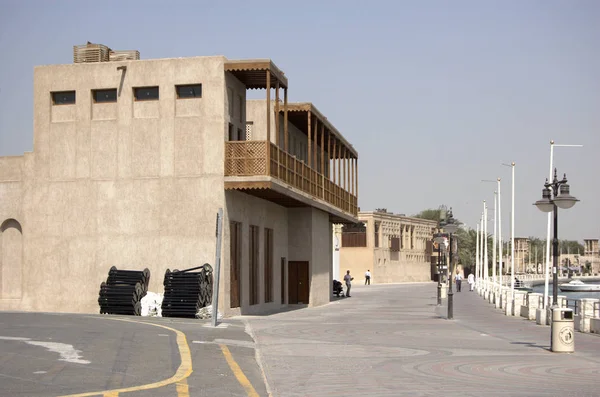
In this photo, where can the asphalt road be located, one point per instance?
(44, 354)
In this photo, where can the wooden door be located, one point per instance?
(235, 257)
(298, 282)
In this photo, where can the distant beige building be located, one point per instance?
(132, 160)
(395, 248)
(521, 254)
(591, 253)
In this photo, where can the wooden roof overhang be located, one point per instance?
(252, 73)
(298, 115)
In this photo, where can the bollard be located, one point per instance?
(520, 297)
(533, 303)
(586, 312)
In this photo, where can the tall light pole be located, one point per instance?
(495, 239)
(500, 231)
(495, 236)
(481, 265)
(547, 261)
(477, 255)
(512, 233)
(485, 254)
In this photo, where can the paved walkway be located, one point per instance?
(392, 340)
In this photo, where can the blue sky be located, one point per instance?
(434, 95)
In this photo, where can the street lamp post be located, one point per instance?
(512, 234)
(555, 195)
(439, 271)
(485, 248)
(477, 257)
(451, 226)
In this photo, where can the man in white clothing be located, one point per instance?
(471, 281)
(368, 277)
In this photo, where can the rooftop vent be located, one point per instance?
(90, 53)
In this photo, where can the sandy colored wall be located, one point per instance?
(386, 270)
(321, 276)
(134, 184)
(357, 260)
(309, 237)
(249, 210)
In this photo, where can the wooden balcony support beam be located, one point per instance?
(285, 120)
(277, 139)
(323, 149)
(309, 125)
(316, 141)
(268, 120)
(329, 157)
(356, 179)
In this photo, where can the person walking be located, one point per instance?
(348, 280)
(368, 277)
(471, 281)
(458, 279)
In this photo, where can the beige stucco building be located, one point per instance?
(395, 248)
(132, 160)
(592, 253)
(522, 255)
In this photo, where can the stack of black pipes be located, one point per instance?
(123, 291)
(187, 291)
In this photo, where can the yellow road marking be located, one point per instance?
(237, 371)
(180, 376)
(182, 388)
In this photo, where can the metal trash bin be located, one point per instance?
(563, 330)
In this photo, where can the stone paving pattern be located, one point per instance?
(392, 340)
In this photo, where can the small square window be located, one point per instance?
(63, 98)
(146, 93)
(189, 91)
(103, 96)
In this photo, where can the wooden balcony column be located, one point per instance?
(347, 168)
(309, 133)
(322, 148)
(277, 139)
(356, 181)
(339, 159)
(268, 121)
(285, 120)
(285, 133)
(345, 193)
(351, 175)
(322, 176)
(315, 143)
(329, 156)
(333, 156)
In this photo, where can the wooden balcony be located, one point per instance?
(258, 164)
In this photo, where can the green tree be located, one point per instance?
(569, 246)
(431, 214)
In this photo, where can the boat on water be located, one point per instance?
(579, 286)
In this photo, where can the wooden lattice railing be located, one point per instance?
(249, 158)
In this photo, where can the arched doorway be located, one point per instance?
(11, 259)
